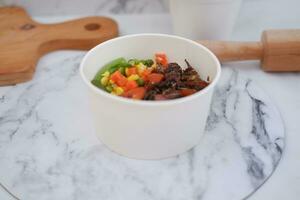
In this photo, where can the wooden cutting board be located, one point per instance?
(23, 41)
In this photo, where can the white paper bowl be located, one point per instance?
(150, 129)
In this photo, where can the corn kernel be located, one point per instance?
(151, 68)
(111, 81)
(141, 67)
(104, 80)
(106, 74)
(154, 65)
(133, 77)
(118, 90)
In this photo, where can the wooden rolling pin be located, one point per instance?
(278, 51)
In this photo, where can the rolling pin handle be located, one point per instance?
(235, 51)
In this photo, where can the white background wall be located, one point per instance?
(75, 7)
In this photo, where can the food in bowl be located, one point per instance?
(149, 79)
(150, 129)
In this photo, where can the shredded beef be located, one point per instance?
(175, 78)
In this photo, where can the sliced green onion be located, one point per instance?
(133, 62)
(148, 62)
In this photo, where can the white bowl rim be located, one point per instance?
(118, 99)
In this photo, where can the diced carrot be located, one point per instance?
(130, 85)
(155, 77)
(136, 93)
(146, 73)
(121, 82)
(118, 78)
(187, 91)
(161, 58)
(131, 71)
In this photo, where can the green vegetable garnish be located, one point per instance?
(109, 88)
(147, 62)
(118, 67)
(122, 70)
(102, 77)
(96, 83)
(133, 62)
(110, 67)
(140, 82)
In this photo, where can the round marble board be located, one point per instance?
(48, 149)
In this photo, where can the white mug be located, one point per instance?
(204, 19)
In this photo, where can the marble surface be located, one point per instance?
(49, 151)
(283, 89)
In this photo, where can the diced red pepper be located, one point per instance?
(187, 91)
(130, 85)
(118, 78)
(161, 58)
(136, 93)
(131, 71)
(155, 78)
(146, 73)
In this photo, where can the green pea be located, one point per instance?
(140, 82)
(109, 88)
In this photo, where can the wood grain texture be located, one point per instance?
(23, 41)
(281, 50)
(278, 51)
(235, 51)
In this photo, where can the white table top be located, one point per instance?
(282, 88)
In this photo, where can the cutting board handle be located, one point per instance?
(79, 34)
(23, 40)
